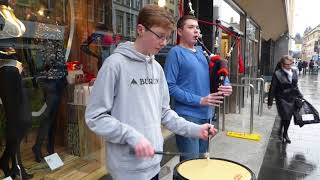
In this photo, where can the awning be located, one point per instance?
(270, 15)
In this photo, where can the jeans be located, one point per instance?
(53, 90)
(194, 146)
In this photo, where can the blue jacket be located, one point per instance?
(187, 74)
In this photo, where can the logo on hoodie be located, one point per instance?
(146, 81)
(134, 82)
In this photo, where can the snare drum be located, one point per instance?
(212, 169)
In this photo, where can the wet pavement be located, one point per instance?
(269, 158)
(300, 159)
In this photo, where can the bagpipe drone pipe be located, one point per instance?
(218, 68)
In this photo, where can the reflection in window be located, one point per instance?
(101, 12)
(130, 25)
(119, 1)
(23, 2)
(91, 10)
(171, 11)
(251, 30)
(119, 22)
(228, 14)
(137, 4)
(94, 31)
(128, 3)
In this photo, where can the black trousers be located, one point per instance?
(17, 111)
(53, 90)
(156, 177)
(285, 124)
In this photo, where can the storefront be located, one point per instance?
(79, 35)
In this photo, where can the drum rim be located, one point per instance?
(253, 176)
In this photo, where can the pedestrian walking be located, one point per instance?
(284, 88)
(311, 65)
(305, 65)
(300, 66)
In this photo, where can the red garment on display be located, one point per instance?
(240, 59)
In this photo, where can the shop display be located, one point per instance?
(17, 112)
(13, 96)
(11, 26)
(60, 45)
(54, 82)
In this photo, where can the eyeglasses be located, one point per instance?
(162, 38)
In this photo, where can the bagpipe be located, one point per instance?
(218, 66)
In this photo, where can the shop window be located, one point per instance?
(80, 42)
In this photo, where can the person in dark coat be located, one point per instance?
(285, 90)
(300, 66)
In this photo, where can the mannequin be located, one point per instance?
(17, 110)
(12, 27)
(55, 72)
(13, 95)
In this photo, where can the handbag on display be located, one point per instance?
(305, 113)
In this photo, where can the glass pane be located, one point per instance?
(227, 14)
(251, 30)
(64, 44)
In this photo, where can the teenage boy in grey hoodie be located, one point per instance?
(130, 101)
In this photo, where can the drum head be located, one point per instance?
(212, 169)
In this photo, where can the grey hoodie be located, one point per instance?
(130, 100)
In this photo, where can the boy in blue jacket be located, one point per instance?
(187, 74)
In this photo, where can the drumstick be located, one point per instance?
(178, 153)
(207, 154)
(166, 153)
